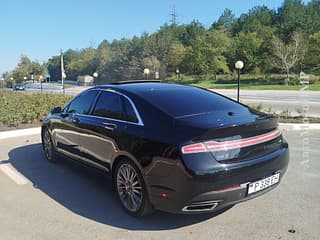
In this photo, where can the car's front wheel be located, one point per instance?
(131, 189)
(48, 147)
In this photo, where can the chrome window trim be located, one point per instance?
(139, 123)
(111, 119)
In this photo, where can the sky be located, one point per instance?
(40, 28)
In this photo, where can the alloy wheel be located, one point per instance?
(47, 144)
(129, 187)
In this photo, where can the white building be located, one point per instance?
(85, 80)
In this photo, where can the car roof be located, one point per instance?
(144, 87)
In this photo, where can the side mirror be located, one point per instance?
(56, 110)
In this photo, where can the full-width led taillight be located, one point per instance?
(214, 146)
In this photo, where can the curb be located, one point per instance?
(20, 133)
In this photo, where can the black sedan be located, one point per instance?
(170, 147)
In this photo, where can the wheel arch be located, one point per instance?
(125, 155)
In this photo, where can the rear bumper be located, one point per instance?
(196, 192)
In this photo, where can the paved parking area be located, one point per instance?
(40, 200)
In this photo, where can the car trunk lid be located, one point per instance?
(233, 135)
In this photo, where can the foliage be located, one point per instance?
(312, 59)
(226, 20)
(254, 21)
(26, 69)
(17, 108)
(247, 48)
(291, 17)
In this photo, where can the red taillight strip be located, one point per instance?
(213, 146)
(194, 148)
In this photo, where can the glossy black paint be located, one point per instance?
(154, 144)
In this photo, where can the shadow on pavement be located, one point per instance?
(88, 192)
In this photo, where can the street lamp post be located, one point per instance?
(12, 83)
(156, 75)
(25, 79)
(40, 80)
(146, 72)
(178, 73)
(95, 75)
(2, 83)
(32, 77)
(239, 65)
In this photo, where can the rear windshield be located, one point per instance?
(188, 101)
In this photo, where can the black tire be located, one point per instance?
(130, 188)
(48, 147)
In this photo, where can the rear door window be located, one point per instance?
(129, 111)
(109, 106)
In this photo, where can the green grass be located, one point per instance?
(248, 81)
(211, 85)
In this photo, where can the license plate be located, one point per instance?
(263, 183)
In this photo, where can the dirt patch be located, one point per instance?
(299, 120)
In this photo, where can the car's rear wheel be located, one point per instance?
(131, 189)
(48, 146)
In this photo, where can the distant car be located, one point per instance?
(170, 147)
(19, 87)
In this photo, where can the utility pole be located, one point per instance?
(174, 15)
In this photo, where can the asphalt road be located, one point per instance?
(277, 101)
(40, 200)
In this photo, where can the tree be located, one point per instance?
(176, 55)
(312, 59)
(286, 55)
(225, 20)
(192, 32)
(54, 68)
(290, 19)
(312, 17)
(247, 47)
(266, 49)
(207, 54)
(26, 67)
(161, 44)
(79, 63)
(218, 42)
(255, 20)
(103, 60)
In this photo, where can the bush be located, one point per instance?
(17, 108)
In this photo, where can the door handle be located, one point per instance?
(76, 120)
(109, 126)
